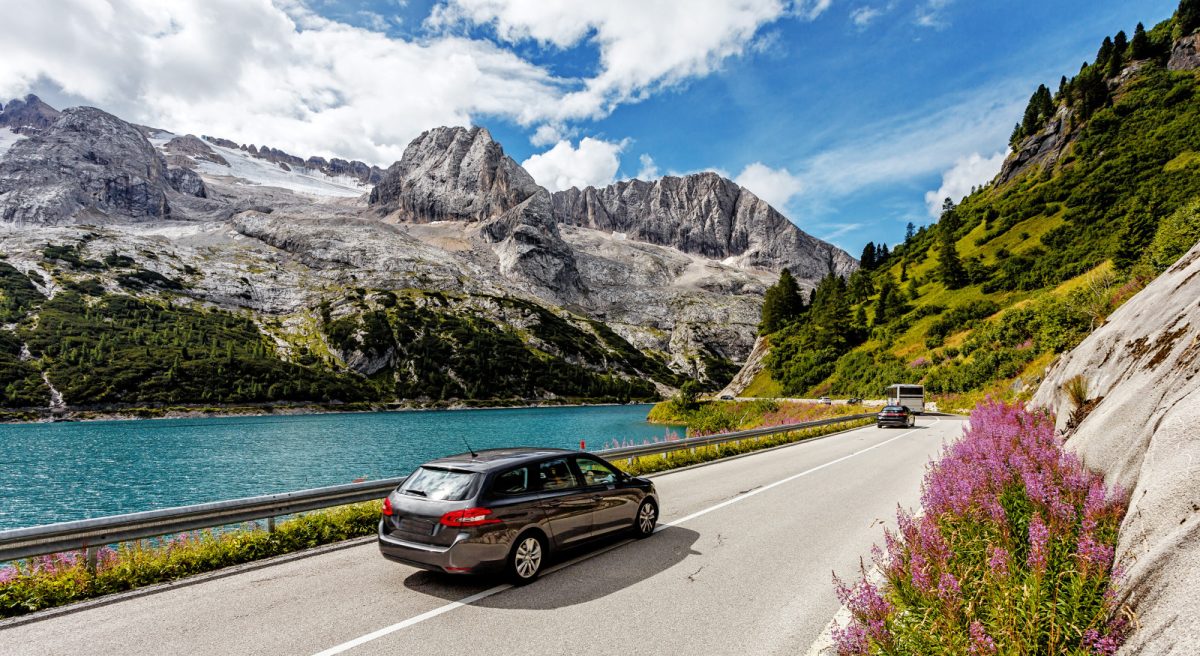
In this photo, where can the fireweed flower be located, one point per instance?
(981, 643)
(998, 560)
(948, 588)
(1039, 535)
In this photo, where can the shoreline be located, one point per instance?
(144, 413)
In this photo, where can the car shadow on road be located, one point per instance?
(590, 573)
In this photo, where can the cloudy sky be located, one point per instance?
(852, 117)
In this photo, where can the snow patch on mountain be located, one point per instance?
(268, 174)
(7, 139)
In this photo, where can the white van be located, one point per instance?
(910, 396)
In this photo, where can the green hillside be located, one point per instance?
(1098, 197)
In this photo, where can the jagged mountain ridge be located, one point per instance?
(705, 214)
(456, 222)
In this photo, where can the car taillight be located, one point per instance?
(468, 517)
(387, 506)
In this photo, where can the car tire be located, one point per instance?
(526, 559)
(646, 519)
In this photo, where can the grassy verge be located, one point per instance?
(1013, 554)
(711, 417)
(676, 459)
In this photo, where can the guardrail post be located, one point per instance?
(271, 524)
(90, 556)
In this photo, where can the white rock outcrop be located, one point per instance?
(1144, 435)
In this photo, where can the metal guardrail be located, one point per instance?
(89, 535)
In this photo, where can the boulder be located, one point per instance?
(1143, 434)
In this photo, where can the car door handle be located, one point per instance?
(554, 504)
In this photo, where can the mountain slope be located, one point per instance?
(1025, 267)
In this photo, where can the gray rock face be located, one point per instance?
(1143, 365)
(457, 174)
(462, 174)
(28, 116)
(196, 149)
(1044, 148)
(707, 215)
(89, 163)
(186, 181)
(1185, 54)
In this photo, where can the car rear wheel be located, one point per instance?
(525, 561)
(646, 518)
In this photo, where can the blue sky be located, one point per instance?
(850, 117)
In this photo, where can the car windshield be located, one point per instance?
(439, 484)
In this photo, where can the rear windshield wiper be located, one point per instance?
(416, 492)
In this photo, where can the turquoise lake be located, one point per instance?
(66, 471)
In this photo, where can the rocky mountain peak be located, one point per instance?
(705, 214)
(86, 162)
(27, 116)
(453, 173)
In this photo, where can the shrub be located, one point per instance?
(1176, 235)
(1013, 555)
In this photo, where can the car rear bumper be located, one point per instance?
(898, 422)
(461, 557)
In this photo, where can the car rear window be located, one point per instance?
(439, 484)
(894, 408)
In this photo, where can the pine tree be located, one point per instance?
(882, 254)
(867, 261)
(913, 290)
(1139, 47)
(910, 231)
(887, 297)
(1120, 43)
(1062, 89)
(1187, 17)
(950, 268)
(904, 271)
(1106, 51)
(782, 304)
(1116, 62)
(1136, 234)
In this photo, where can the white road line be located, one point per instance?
(747, 495)
(375, 635)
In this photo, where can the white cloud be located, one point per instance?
(776, 186)
(931, 13)
(261, 73)
(957, 180)
(864, 16)
(593, 163)
(546, 134)
(649, 170)
(643, 44)
(810, 10)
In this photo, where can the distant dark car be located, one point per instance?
(854, 400)
(508, 509)
(726, 397)
(895, 415)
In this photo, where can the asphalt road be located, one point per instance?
(741, 565)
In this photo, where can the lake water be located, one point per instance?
(66, 471)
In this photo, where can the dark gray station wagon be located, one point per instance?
(508, 509)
